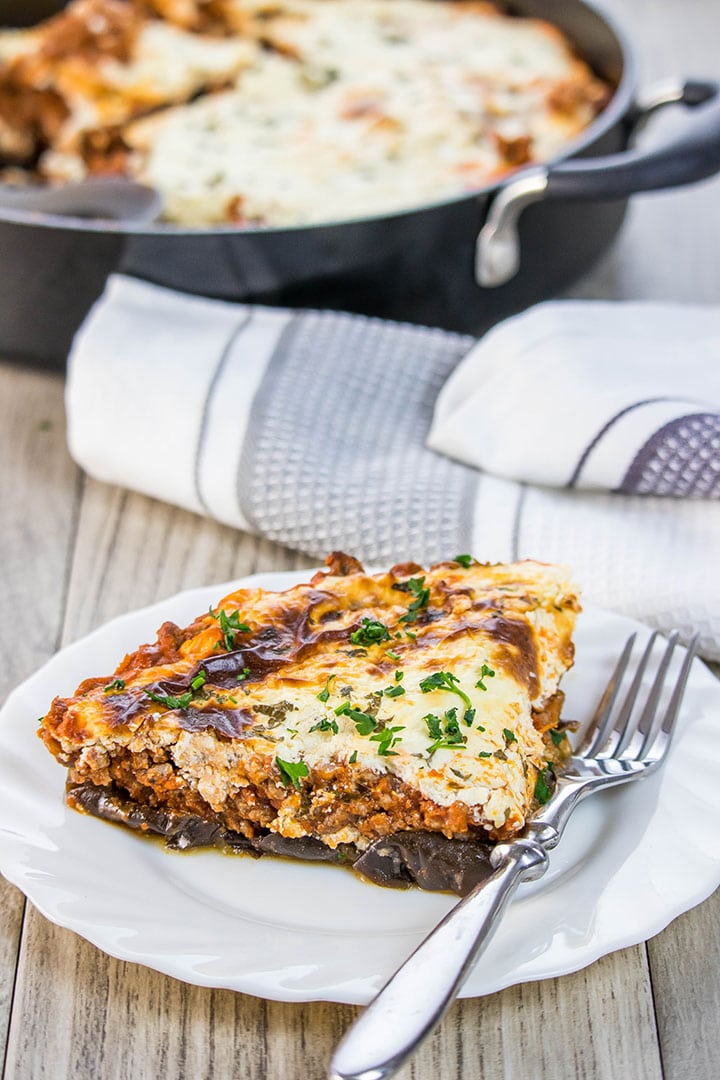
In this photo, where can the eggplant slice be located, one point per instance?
(428, 860)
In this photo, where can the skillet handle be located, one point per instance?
(684, 157)
(688, 155)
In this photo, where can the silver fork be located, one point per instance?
(626, 740)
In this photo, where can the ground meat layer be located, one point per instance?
(334, 804)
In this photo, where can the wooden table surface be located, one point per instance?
(74, 553)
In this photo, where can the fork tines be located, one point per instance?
(634, 728)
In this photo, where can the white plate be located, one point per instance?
(632, 859)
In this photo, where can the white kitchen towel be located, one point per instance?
(310, 428)
(586, 394)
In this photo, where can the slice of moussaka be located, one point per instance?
(400, 722)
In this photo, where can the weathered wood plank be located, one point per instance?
(39, 494)
(12, 907)
(686, 984)
(129, 551)
(38, 505)
(596, 1024)
(94, 1017)
(132, 551)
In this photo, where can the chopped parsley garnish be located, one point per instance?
(485, 753)
(244, 674)
(557, 736)
(545, 784)
(364, 722)
(116, 684)
(198, 681)
(353, 757)
(291, 771)
(443, 744)
(464, 560)
(510, 736)
(433, 726)
(416, 586)
(326, 725)
(371, 632)
(392, 655)
(325, 692)
(449, 738)
(230, 626)
(394, 691)
(451, 725)
(445, 680)
(386, 739)
(485, 673)
(170, 702)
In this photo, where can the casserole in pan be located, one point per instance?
(458, 262)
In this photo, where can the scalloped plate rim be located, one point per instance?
(267, 984)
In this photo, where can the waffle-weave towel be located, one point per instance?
(606, 396)
(310, 428)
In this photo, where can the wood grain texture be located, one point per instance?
(118, 1019)
(574, 1027)
(685, 970)
(73, 554)
(38, 506)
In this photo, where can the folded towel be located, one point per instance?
(310, 428)
(607, 396)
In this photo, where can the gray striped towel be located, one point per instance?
(310, 428)
(605, 396)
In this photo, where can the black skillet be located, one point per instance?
(538, 230)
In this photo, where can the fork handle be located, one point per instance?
(420, 992)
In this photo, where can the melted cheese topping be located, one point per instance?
(306, 686)
(167, 65)
(15, 43)
(384, 106)
(333, 109)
